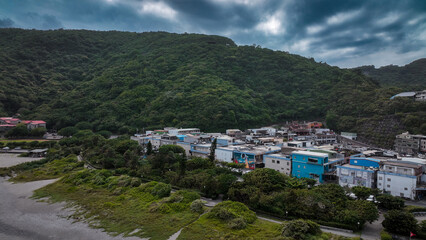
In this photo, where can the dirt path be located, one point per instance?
(10, 159)
(22, 218)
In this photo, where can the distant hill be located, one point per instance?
(122, 81)
(409, 77)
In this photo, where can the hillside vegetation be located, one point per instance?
(410, 77)
(122, 81)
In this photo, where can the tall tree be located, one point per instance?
(213, 149)
(149, 148)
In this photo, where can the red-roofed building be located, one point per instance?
(9, 120)
(31, 124)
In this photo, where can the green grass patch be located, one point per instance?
(42, 169)
(211, 228)
(113, 204)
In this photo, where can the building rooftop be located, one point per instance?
(308, 153)
(402, 164)
(404, 94)
(278, 155)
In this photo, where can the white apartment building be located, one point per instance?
(399, 178)
(278, 162)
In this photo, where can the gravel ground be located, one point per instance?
(10, 159)
(22, 218)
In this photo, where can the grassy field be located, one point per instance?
(210, 228)
(114, 205)
(122, 205)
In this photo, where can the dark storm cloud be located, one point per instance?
(344, 33)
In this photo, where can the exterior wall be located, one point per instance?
(241, 157)
(303, 168)
(423, 145)
(156, 143)
(355, 177)
(282, 165)
(421, 96)
(184, 131)
(185, 146)
(200, 151)
(223, 155)
(364, 162)
(397, 184)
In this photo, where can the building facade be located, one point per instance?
(358, 172)
(307, 164)
(399, 178)
(278, 162)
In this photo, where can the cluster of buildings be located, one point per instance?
(7, 123)
(410, 144)
(303, 150)
(416, 96)
(399, 176)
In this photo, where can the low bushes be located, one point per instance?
(300, 229)
(197, 206)
(236, 214)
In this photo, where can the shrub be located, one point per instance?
(390, 202)
(385, 236)
(399, 222)
(422, 226)
(104, 133)
(300, 229)
(161, 190)
(237, 223)
(228, 210)
(413, 209)
(135, 182)
(124, 181)
(197, 206)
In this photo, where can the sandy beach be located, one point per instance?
(10, 159)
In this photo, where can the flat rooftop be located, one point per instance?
(278, 155)
(308, 153)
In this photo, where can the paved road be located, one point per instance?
(22, 218)
(372, 230)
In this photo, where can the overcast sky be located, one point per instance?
(346, 33)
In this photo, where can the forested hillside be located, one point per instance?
(120, 81)
(410, 77)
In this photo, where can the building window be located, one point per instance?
(288, 164)
(278, 162)
(380, 184)
(388, 186)
(273, 161)
(312, 160)
(298, 166)
(380, 178)
(401, 194)
(405, 189)
(389, 179)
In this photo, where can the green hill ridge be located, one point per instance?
(120, 81)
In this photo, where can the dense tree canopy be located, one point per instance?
(124, 82)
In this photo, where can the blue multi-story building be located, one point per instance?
(307, 164)
(360, 171)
